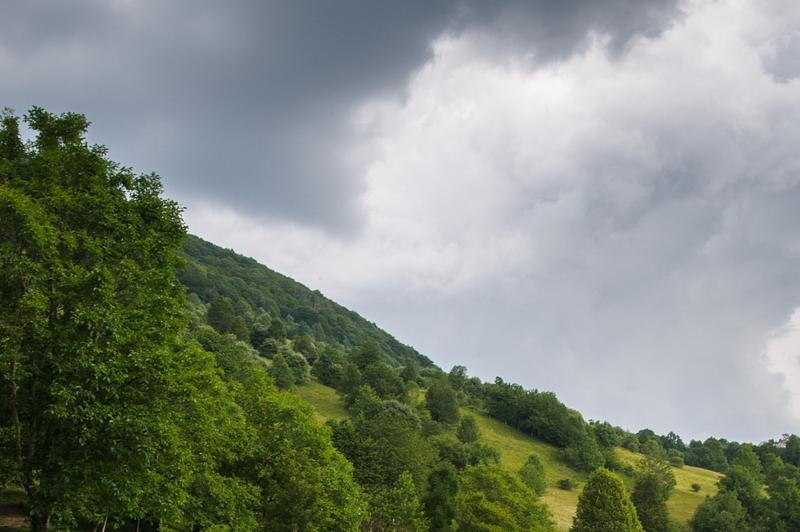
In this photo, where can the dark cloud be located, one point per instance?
(248, 103)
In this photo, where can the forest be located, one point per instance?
(148, 383)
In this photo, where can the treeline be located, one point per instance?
(259, 295)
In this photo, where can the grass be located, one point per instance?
(515, 447)
(326, 402)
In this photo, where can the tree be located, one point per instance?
(277, 330)
(102, 397)
(721, 513)
(532, 475)
(439, 501)
(468, 431)
(221, 315)
(493, 499)
(397, 508)
(651, 506)
(329, 369)
(440, 399)
(281, 372)
(604, 505)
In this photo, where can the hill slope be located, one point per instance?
(515, 447)
(256, 290)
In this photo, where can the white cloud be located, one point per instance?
(622, 231)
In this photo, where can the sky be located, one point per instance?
(599, 198)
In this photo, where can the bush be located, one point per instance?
(566, 484)
(532, 475)
(695, 487)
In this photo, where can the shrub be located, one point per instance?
(566, 484)
(695, 487)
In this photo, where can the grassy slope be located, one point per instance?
(515, 447)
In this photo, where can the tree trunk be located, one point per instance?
(40, 523)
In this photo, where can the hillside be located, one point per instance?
(255, 291)
(515, 447)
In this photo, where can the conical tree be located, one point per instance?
(604, 505)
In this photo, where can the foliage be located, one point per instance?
(440, 399)
(101, 403)
(220, 314)
(532, 475)
(281, 372)
(651, 505)
(493, 499)
(468, 431)
(461, 454)
(211, 271)
(439, 501)
(329, 368)
(721, 513)
(604, 505)
(565, 484)
(396, 509)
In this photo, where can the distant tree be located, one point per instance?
(304, 346)
(329, 369)
(366, 355)
(462, 455)
(713, 455)
(269, 348)
(675, 458)
(280, 371)
(791, 453)
(493, 499)
(396, 509)
(605, 434)
(410, 372)
(239, 329)
(457, 376)
(661, 470)
(468, 430)
(351, 379)
(651, 506)
(221, 314)
(744, 479)
(384, 380)
(258, 333)
(439, 501)
(721, 513)
(277, 330)
(440, 399)
(604, 505)
(532, 475)
(301, 372)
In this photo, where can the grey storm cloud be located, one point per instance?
(248, 104)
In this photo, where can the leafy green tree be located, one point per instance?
(440, 399)
(221, 315)
(532, 475)
(329, 369)
(606, 435)
(384, 380)
(744, 479)
(791, 452)
(604, 505)
(721, 513)
(396, 509)
(462, 455)
(350, 381)
(468, 431)
(258, 333)
(366, 355)
(277, 330)
(106, 408)
(381, 447)
(439, 501)
(457, 377)
(280, 371)
(651, 506)
(239, 329)
(713, 456)
(410, 372)
(493, 499)
(301, 372)
(305, 484)
(783, 506)
(652, 464)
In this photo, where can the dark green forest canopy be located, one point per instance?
(211, 271)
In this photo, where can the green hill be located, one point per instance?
(256, 291)
(515, 447)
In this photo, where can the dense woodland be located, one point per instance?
(133, 402)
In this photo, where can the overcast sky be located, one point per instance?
(599, 198)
